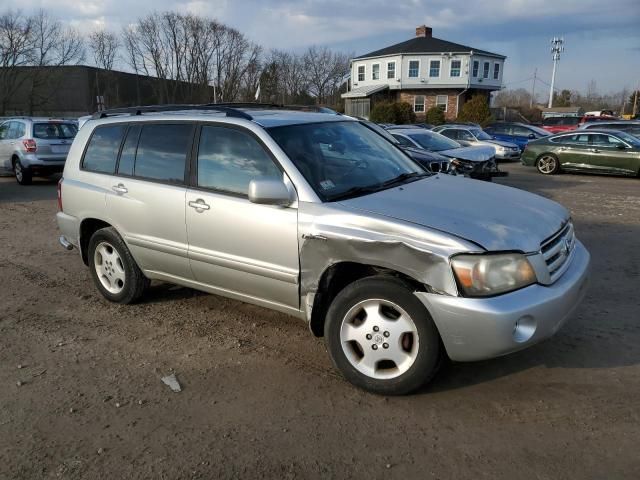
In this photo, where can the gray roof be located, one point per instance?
(362, 92)
(426, 45)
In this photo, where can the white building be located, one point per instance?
(425, 72)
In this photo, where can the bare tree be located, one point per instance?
(15, 48)
(104, 46)
(326, 72)
(52, 45)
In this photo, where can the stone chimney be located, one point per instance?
(423, 31)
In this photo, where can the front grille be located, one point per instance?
(557, 250)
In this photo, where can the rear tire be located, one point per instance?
(381, 337)
(548, 164)
(23, 175)
(113, 269)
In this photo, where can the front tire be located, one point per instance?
(23, 175)
(113, 269)
(381, 337)
(548, 164)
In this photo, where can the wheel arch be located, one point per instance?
(340, 274)
(88, 227)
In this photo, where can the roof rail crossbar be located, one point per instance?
(229, 111)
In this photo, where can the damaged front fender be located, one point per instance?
(331, 233)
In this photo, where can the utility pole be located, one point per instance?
(635, 102)
(533, 88)
(557, 47)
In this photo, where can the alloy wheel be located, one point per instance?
(109, 268)
(547, 164)
(379, 339)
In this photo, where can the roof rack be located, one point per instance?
(277, 106)
(229, 111)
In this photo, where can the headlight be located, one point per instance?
(487, 275)
(500, 149)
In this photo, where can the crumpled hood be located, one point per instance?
(493, 216)
(477, 153)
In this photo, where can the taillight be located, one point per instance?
(60, 195)
(30, 145)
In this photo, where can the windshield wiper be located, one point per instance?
(399, 180)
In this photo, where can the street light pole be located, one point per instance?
(557, 47)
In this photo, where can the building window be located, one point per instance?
(391, 70)
(375, 71)
(455, 68)
(485, 70)
(442, 101)
(434, 68)
(496, 71)
(361, 73)
(476, 67)
(414, 68)
(418, 103)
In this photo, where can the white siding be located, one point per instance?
(402, 79)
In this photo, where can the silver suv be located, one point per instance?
(35, 146)
(320, 217)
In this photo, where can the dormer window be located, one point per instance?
(476, 67)
(496, 71)
(375, 71)
(361, 73)
(434, 68)
(391, 70)
(456, 65)
(414, 68)
(485, 70)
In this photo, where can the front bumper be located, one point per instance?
(481, 328)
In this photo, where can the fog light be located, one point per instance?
(524, 328)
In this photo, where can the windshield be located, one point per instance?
(341, 159)
(480, 134)
(54, 131)
(432, 141)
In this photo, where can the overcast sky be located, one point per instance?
(602, 37)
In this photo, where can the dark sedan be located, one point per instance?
(597, 151)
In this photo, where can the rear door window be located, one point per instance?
(162, 152)
(102, 151)
(228, 159)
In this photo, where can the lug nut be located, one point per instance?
(374, 346)
(369, 336)
(375, 329)
(386, 334)
(385, 345)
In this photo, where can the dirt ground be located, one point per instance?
(81, 396)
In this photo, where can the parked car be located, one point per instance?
(629, 126)
(431, 161)
(518, 133)
(35, 146)
(469, 136)
(317, 216)
(596, 119)
(596, 151)
(560, 124)
(476, 162)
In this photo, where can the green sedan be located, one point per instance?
(596, 151)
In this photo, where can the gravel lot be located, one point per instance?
(81, 395)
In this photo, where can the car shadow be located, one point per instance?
(603, 332)
(161, 292)
(41, 189)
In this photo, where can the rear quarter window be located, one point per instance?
(102, 150)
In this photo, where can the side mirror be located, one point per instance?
(269, 192)
(532, 136)
(621, 146)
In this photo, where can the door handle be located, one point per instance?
(562, 149)
(199, 205)
(119, 189)
(595, 150)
